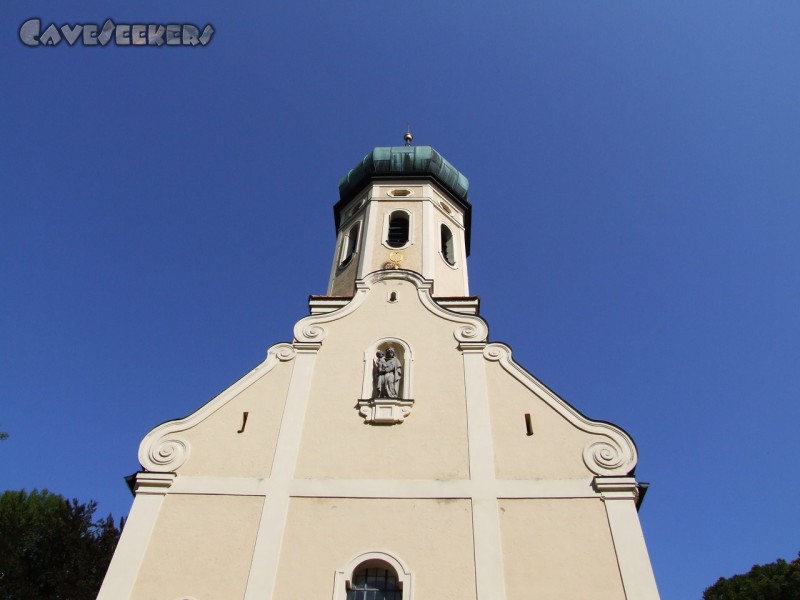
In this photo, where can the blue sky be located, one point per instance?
(634, 174)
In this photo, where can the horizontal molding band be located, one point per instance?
(379, 488)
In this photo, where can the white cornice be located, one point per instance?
(467, 305)
(153, 483)
(616, 488)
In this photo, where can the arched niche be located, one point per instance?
(403, 353)
(386, 395)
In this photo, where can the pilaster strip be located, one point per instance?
(619, 496)
(368, 244)
(337, 252)
(489, 576)
(462, 250)
(428, 240)
(264, 568)
(124, 568)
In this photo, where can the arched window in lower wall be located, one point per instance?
(373, 576)
(378, 582)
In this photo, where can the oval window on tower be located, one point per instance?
(397, 235)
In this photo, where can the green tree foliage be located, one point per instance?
(776, 581)
(50, 547)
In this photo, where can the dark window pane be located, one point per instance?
(375, 584)
(447, 245)
(398, 230)
(350, 243)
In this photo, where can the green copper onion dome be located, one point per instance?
(400, 162)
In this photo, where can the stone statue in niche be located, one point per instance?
(380, 373)
(388, 373)
(386, 406)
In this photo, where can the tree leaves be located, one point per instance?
(51, 547)
(775, 581)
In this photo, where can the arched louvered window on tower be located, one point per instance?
(447, 245)
(350, 245)
(397, 232)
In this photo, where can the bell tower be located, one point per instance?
(402, 207)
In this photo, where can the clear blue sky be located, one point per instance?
(635, 181)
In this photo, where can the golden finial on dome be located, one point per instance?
(408, 137)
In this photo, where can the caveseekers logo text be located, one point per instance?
(123, 34)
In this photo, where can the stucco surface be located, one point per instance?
(432, 537)
(344, 277)
(201, 548)
(554, 451)
(216, 447)
(559, 550)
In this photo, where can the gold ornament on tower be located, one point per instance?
(395, 258)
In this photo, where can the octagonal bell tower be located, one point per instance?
(402, 207)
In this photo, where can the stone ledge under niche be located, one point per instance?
(385, 411)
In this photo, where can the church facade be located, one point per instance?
(390, 451)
